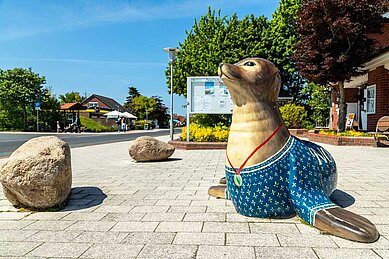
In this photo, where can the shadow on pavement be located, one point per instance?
(342, 199)
(84, 197)
(171, 159)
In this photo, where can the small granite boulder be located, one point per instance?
(150, 149)
(38, 174)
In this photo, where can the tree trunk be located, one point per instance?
(24, 117)
(342, 108)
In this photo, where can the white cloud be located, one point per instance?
(86, 61)
(22, 19)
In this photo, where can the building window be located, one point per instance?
(93, 105)
(370, 99)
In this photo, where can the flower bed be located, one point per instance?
(216, 138)
(341, 140)
(200, 133)
(202, 137)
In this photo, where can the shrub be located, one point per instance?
(140, 124)
(294, 115)
(200, 133)
(212, 120)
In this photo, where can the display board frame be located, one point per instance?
(215, 95)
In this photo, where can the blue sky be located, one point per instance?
(102, 47)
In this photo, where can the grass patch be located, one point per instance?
(94, 126)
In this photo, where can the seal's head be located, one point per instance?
(251, 80)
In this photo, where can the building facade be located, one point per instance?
(367, 96)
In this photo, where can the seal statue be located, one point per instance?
(271, 174)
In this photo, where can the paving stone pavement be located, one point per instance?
(122, 209)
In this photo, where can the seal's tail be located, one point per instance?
(342, 223)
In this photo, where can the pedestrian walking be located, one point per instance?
(124, 125)
(58, 127)
(77, 124)
(118, 123)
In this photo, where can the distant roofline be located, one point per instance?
(101, 98)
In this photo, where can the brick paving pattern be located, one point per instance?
(122, 209)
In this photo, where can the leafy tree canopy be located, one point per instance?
(334, 47)
(49, 114)
(318, 103)
(71, 97)
(215, 39)
(278, 45)
(334, 41)
(160, 112)
(142, 105)
(19, 89)
(132, 93)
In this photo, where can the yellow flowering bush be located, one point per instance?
(200, 133)
(347, 133)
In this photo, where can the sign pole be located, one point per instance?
(37, 108)
(37, 120)
(171, 101)
(188, 107)
(187, 125)
(172, 55)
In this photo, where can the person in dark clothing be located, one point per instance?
(118, 123)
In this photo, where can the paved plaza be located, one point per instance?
(122, 209)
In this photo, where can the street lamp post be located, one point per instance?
(172, 56)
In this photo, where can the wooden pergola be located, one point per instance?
(72, 108)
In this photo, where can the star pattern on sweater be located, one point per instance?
(298, 179)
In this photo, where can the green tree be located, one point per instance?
(143, 106)
(71, 97)
(318, 103)
(19, 89)
(334, 41)
(160, 112)
(49, 113)
(212, 40)
(279, 43)
(212, 120)
(132, 93)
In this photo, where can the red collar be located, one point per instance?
(255, 150)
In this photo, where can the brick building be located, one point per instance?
(97, 105)
(367, 96)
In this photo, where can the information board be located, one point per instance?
(208, 95)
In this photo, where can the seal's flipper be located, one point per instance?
(219, 191)
(342, 223)
(223, 180)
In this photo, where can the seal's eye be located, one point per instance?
(249, 64)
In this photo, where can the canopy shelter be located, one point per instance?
(128, 115)
(71, 110)
(115, 114)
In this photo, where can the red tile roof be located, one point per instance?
(71, 106)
